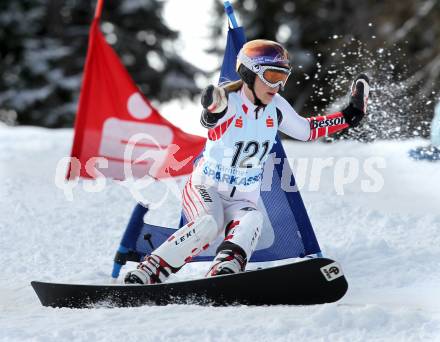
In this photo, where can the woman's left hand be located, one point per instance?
(357, 106)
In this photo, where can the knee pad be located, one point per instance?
(188, 241)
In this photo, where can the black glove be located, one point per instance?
(357, 106)
(214, 99)
(215, 104)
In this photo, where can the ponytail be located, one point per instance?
(232, 86)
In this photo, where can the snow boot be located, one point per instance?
(227, 261)
(152, 270)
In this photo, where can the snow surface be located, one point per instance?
(387, 241)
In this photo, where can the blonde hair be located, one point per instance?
(233, 86)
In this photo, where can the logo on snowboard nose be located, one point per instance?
(332, 271)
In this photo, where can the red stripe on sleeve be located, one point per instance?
(217, 132)
(322, 126)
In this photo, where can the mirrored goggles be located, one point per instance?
(272, 76)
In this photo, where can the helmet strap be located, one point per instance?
(249, 78)
(257, 101)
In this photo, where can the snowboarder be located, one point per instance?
(221, 195)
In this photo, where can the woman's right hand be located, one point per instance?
(214, 99)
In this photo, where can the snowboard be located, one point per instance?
(312, 281)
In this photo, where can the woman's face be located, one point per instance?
(264, 92)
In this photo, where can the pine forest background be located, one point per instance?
(43, 45)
